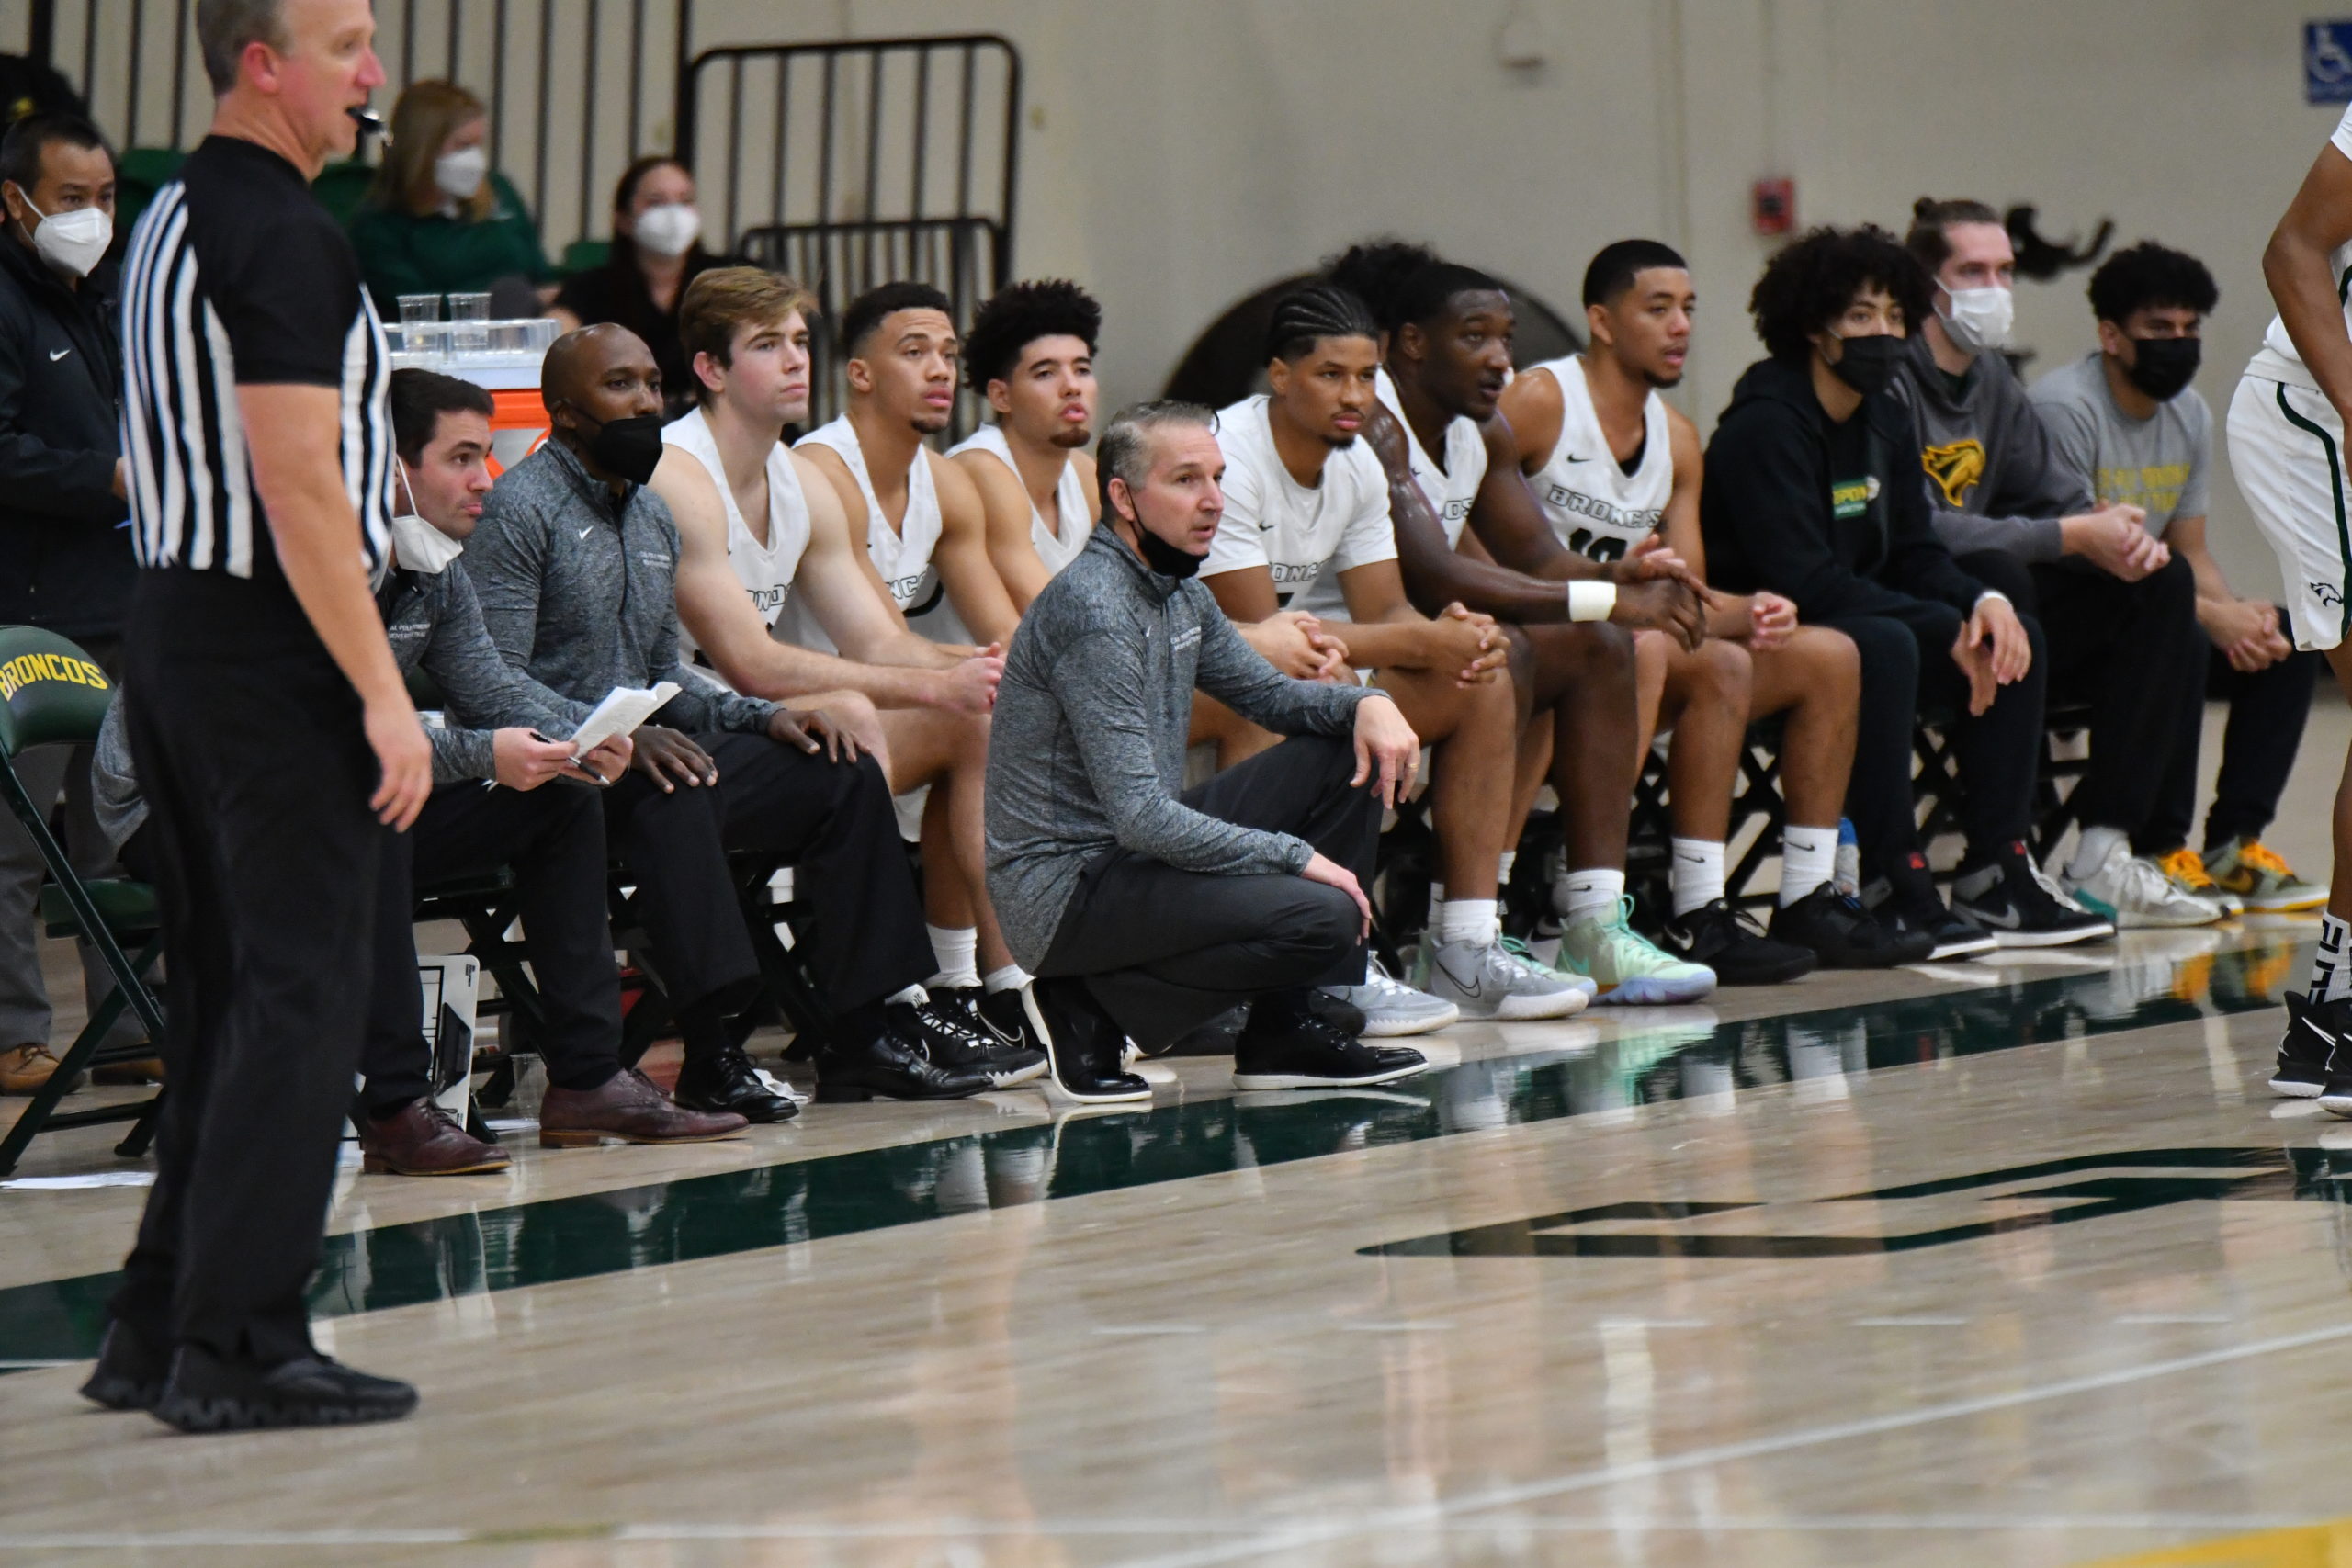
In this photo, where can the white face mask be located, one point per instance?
(669, 230)
(460, 173)
(418, 545)
(1979, 319)
(71, 241)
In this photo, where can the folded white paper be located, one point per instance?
(623, 709)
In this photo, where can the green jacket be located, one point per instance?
(399, 254)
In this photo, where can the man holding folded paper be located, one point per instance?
(494, 805)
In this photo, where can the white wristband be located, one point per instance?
(1989, 593)
(1590, 600)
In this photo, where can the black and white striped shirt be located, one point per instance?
(236, 276)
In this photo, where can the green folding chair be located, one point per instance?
(52, 693)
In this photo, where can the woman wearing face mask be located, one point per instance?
(656, 251)
(1813, 492)
(439, 219)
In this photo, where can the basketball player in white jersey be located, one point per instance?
(2287, 425)
(1030, 354)
(1613, 466)
(762, 535)
(1305, 520)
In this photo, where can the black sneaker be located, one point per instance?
(2312, 1029)
(130, 1371)
(1730, 943)
(726, 1080)
(1312, 1052)
(894, 1068)
(1008, 1055)
(205, 1393)
(2016, 900)
(1836, 929)
(1085, 1046)
(1910, 905)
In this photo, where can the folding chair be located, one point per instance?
(52, 693)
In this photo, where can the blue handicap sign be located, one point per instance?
(2327, 62)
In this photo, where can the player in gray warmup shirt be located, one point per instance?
(1144, 912)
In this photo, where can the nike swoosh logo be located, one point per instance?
(588, 530)
(58, 354)
(1571, 458)
(2008, 919)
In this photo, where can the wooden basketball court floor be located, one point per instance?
(1996, 1263)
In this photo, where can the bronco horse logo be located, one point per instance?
(1955, 467)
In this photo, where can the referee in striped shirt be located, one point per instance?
(267, 717)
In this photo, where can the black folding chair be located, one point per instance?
(52, 693)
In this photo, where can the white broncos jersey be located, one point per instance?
(1454, 488)
(1598, 509)
(2278, 359)
(1305, 539)
(902, 555)
(766, 571)
(1077, 508)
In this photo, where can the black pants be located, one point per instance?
(1164, 951)
(248, 742)
(1907, 669)
(2133, 650)
(832, 821)
(2267, 710)
(554, 837)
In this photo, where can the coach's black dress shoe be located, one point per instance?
(1086, 1047)
(206, 1393)
(130, 1371)
(894, 1068)
(725, 1080)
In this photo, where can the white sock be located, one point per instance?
(1012, 977)
(1808, 859)
(1698, 874)
(1467, 920)
(2092, 852)
(1437, 896)
(913, 995)
(1504, 863)
(957, 948)
(1591, 894)
(2331, 974)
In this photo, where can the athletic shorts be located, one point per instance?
(2287, 452)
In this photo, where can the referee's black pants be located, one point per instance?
(832, 821)
(248, 742)
(553, 837)
(1163, 951)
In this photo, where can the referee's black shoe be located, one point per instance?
(725, 1080)
(1086, 1047)
(206, 1393)
(130, 1371)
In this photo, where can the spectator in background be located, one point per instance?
(65, 561)
(439, 219)
(2125, 423)
(656, 251)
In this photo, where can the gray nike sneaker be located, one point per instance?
(1391, 1008)
(1486, 984)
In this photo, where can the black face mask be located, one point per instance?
(2161, 367)
(628, 448)
(1165, 559)
(1867, 364)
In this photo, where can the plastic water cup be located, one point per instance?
(468, 322)
(427, 338)
(417, 310)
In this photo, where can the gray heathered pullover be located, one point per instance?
(1086, 753)
(579, 591)
(2007, 490)
(435, 624)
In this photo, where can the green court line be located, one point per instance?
(539, 1243)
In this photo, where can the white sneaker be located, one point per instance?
(1391, 1008)
(2132, 891)
(1487, 983)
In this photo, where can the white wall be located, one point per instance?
(1183, 153)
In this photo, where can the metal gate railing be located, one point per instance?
(854, 162)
